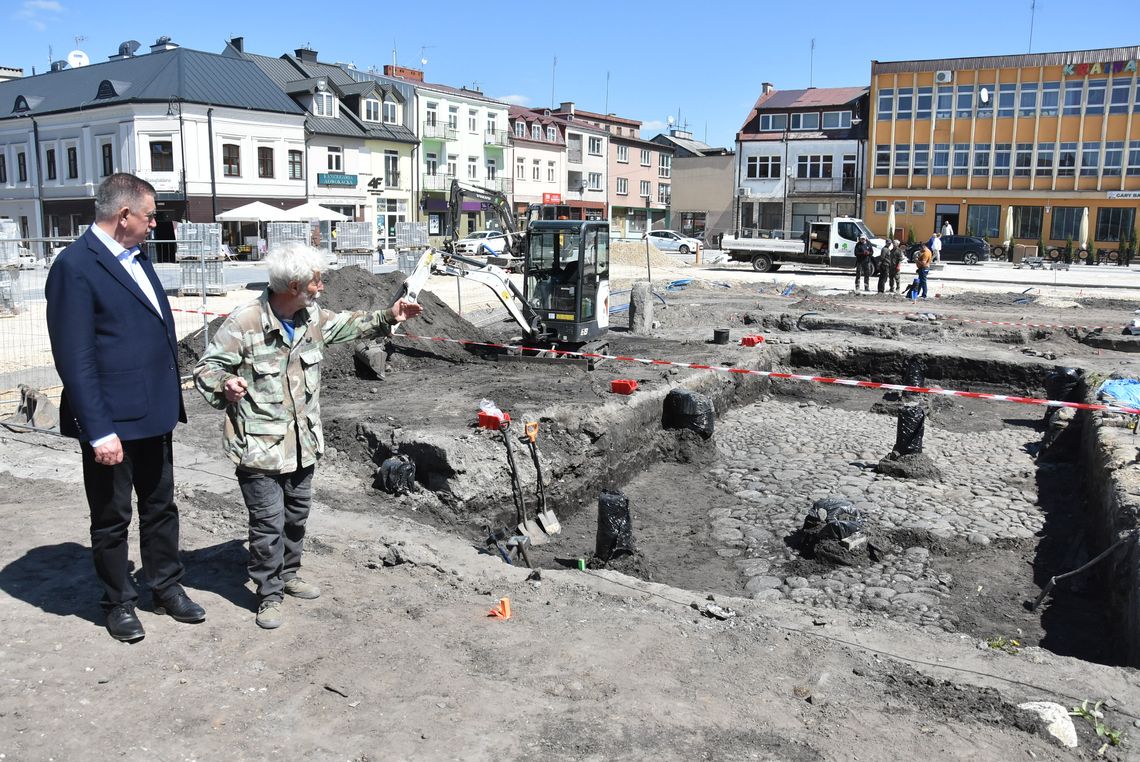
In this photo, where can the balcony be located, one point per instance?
(437, 182)
(820, 185)
(437, 131)
(496, 138)
(501, 184)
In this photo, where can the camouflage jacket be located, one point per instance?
(276, 427)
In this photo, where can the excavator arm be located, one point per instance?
(438, 262)
(497, 204)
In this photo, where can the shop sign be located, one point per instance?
(552, 198)
(1110, 67)
(337, 179)
(1124, 194)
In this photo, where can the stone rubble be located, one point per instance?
(778, 457)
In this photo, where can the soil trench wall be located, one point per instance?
(1112, 498)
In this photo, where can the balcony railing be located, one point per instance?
(496, 138)
(806, 185)
(437, 181)
(439, 131)
(501, 184)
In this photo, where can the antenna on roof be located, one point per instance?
(1032, 14)
(553, 68)
(811, 65)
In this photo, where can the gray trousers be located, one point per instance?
(278, 506)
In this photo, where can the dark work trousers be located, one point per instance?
(884, 271)
(278, 506)
(863, 269)
(894, 278)
(147, 470)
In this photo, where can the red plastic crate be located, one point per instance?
(751, 341)
(623, 386)
(488, 421)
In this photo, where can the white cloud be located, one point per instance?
(655, 125)
(39, 13)
(515, 100)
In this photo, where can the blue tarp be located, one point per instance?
(1125, 391)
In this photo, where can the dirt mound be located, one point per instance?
(190, 349)
(633, 253)
(351, 288)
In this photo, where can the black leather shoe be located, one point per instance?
(124, 625)
(180, 608)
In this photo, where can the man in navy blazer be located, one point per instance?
(112, 337)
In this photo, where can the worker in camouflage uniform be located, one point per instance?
(263, 367)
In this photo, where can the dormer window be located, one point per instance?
(324, 104)
(552, 134)
(21, 105)
(536, 132)
(371, 110)
(391, 115)
(520, 129)
(106, 90)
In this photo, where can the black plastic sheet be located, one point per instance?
(911, 427)
(684, 409)
(615, 527)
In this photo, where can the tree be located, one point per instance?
(910, 239)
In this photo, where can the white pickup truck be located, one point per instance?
(830, 244)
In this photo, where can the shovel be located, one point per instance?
(546, 517)
(527, 526)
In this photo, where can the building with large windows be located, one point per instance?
(538, 146)
(1050, 135)
(799, 156)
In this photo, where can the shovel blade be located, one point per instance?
(549, 522)
(532, 530)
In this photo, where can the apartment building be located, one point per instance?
(463, 134)
(702, 197)
(638, 177)
(1048, 135)
(799, 158)
(538, 150)
(209, 132)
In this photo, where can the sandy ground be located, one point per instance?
(399, 660)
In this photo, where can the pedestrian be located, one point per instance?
(889, 265)
(897, 258)
(263, 368)
(884, 257)
(863, 262)
(935, 246)
(947, 229)
(922, 262)
(112, 337)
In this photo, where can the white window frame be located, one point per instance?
(473, 167)
(594, 147)
(842, 120)
(645, 158)
(805, 120)
(623, 154)
(880, 206)
(391, 112)
(594, 182)
(324, 104)
(335, 158)
(535, 132)
(453, 117)
(773, 122)
(646, 188)
(664, 165)
(622, 186)
(536, 169)
(550, 171)
(552, 134)
(472, 120)
(371, 110)
(520, 168)
(520, 129)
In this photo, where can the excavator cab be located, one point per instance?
(567, 278)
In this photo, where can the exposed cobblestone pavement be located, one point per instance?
(779, 457)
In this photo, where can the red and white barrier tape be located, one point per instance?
(795, 376)
(200, 311)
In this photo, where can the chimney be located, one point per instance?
(58, 65)
(163, 43)
(238, 44)
(306, 54)
(403, 72)
(766, 87)
(126, 50)
(567, 107)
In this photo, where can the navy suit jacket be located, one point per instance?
(117, 358)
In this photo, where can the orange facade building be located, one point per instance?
(1050, 135)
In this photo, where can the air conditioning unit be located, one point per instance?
(944, 76)
(744, 192)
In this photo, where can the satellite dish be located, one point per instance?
(984, 95)
(78, 58)
(670, 120)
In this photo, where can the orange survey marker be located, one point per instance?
(502, 610)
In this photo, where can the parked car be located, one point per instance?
(967, 249)
(671, 240)
(474, 243)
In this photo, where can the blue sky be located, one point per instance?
(701, 62)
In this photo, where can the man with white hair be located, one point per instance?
(263, 367)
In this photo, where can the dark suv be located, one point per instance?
(958, 248)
